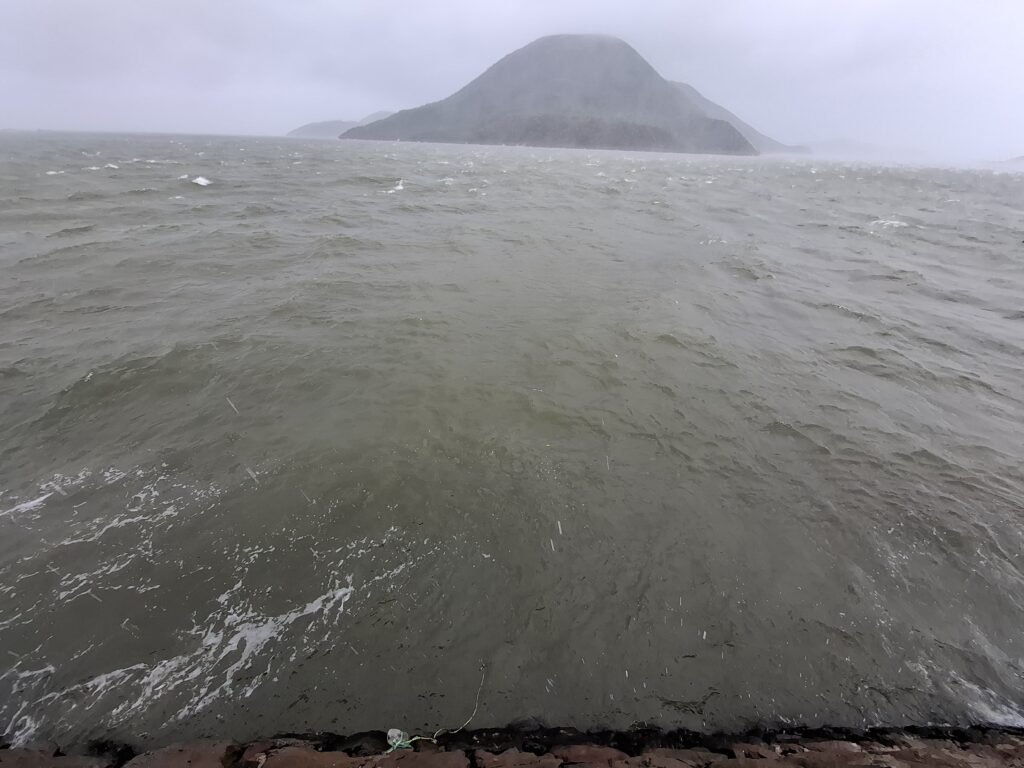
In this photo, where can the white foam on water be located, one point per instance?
(227, 653)
(988, 707)
(249, 636)
(22, 728)
(229, 642)
(202, 181)
(998, 714)
(27, 506)
(888, 223)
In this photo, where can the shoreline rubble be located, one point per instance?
(912, 747)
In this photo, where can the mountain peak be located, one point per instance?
(579, 40)
(566, 91)
(331, 129)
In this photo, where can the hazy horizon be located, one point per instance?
(928, 77)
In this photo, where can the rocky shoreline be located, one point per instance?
(526, 747)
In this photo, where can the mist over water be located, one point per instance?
(695, 441)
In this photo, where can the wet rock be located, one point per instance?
(674, 758)
(986, 754)
(513, 758)
(407, 759)
(305, 757)
(1000, 739)
(833, 746)
(527, 725)
(942, 757)
(841, 759)
(255, 753)
(877, 748)
(365, 744)
(755, 751)
(46, 758)
(114, 752)
(908, 741)
(831, 760)
(1011, 752)
(586, 754)
(791, 748)
(739, 762)
(196, 754)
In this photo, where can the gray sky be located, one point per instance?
(945, 76)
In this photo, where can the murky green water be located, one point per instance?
(694, 441)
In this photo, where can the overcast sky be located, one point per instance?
(946, 76)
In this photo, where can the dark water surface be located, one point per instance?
(701, 442)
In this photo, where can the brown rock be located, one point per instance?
(877, 748)
(1012, 753)
(673, 758)
(195, 754)
(739, 762)
(822, 760)
(254, 752)
(755, 751)
(999, 754)
(365, 743)
(513, 758)
(906, 741)
(304, 757)
(578, 754)
(406, 759)
(791, 748)
(947, 757)
(841, 759)
(833, 746)
(44, 758)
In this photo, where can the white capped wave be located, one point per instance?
(26, 506)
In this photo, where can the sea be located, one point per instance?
(329, 436)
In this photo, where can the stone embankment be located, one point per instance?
(562, 748)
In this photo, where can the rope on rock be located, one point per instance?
(399, 739)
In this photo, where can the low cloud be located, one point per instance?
(935, 75)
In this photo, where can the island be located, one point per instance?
(330, 129)
(590, 91)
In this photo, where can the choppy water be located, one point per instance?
(700, 442)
